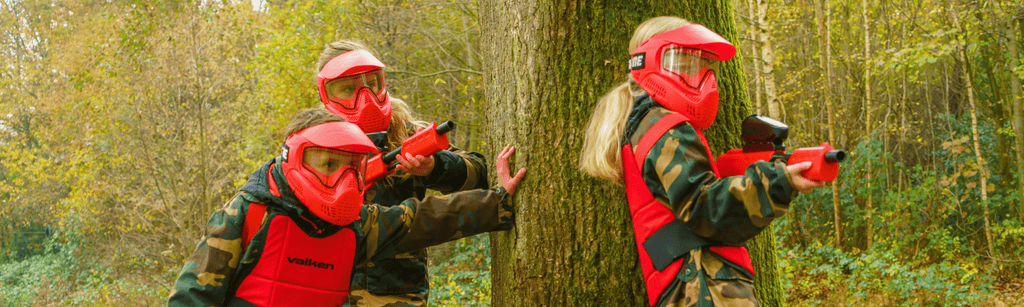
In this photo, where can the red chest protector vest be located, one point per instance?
(294, 268)
(661, 238)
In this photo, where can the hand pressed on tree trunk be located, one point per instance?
(509, 183)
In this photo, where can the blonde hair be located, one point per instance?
(335, 49)
(602, 151)
(306, 118)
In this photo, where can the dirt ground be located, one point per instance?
(1008, 293)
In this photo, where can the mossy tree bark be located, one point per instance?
(546, 63)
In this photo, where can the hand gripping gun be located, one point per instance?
(763, 138)
(426, 142)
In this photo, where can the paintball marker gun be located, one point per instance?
(426, 142)
(763, 139)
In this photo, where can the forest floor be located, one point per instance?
(1008, 293)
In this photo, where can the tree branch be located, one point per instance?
(468, 71)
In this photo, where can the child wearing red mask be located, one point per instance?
(690, 224)
(294, 233)
(351, 83)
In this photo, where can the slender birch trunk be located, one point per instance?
(825, 58)
(902, 144)
(931, 127)
(1012, 31)
(767, 68)
(886, 138)
(982, 169)
(867, 122)
(754, 47)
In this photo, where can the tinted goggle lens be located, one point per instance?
(330, 164)
(691, 65)
(343, 90)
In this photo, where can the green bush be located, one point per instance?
(22, 280)
(825, 276)
(62, 274)
(464, 279)
(928, 246)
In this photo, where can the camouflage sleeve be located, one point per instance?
(456, 170)
(204, 279)
(416, 224)
(729, 210)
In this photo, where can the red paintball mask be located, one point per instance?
(677, 69)
(325, 166)
(351, 85)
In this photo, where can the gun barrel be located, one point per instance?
(835, 156)
(445, 127)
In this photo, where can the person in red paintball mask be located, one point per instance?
(352, 86)
(299, 234)
(690, 224)
(351, 83)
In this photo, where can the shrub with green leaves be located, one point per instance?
(464, 279)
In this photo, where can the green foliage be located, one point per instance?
(65, 274)
(829, 277)
(928, 248)
(21, 241)
(1009, 237)
(464, 278)
(21, 281)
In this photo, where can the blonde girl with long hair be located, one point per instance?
(646, 134)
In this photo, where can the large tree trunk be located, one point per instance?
(546, 63)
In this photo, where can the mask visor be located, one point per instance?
(689, 64)
(328, 165)
(343, 90)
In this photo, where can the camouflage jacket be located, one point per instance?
(213, 273)
(405, 274)
(729, 210)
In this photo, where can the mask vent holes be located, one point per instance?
(656, 89)
(693, 113)
(375, 123)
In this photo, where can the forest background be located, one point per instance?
(124, 124)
